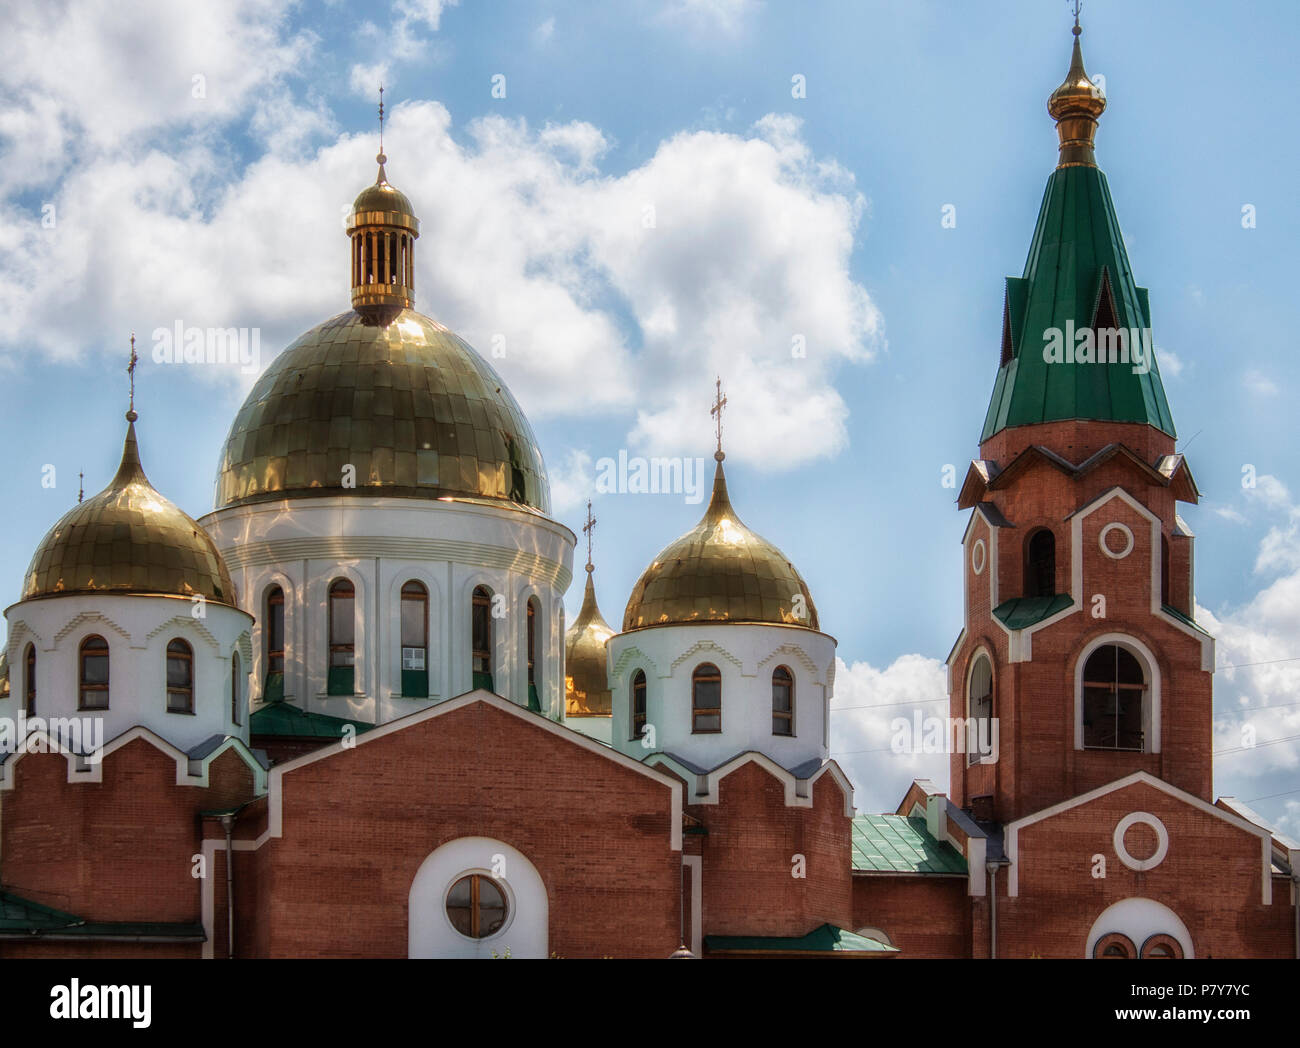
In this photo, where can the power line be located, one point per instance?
(1257, 746)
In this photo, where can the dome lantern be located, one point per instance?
(382, 229)
(1075, 106)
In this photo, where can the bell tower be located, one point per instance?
(1080, 660)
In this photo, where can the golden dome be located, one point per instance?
(586, 682)
(412, 408)
(128, 539)
(1075, 106)
(384, 198)
(720, 571)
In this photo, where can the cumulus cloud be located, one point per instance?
(867, 704)
(725, 17)
(1169, 363)
(1260, 384)
(572, 481)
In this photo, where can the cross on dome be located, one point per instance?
(588, 528)
(719, 402)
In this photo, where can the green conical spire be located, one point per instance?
(1077, 277)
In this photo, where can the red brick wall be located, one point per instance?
(925, 916)
(358, 824)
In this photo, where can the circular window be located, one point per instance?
(978, 555)
(1162, 841)
(476, 906)
(1116, 540)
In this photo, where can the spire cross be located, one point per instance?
(130, 370)
(81, 485)
(588, 528)
(1078, 5)
(381, 119)
(719, 402)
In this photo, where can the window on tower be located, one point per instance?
(782, 701)
(94, 674)
(342, 627)
(638, 704)
(979, 710)
(1114, 692)
(706, 699)
(534, 703)
(236, 693)
(180, 677)
(1040, 564)
(29, 681)
(273, 645)
(481, 637)
(415, 633)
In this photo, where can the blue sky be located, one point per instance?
(224, 210)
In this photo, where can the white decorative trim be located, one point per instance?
(1124, 530)
(978, 557)
(1012, 836)
(633, 654)
(798, 792)
(1162, 841)
(181, 623)
(1150, 707)
(798, 653)
(75, 623)
(703, 646)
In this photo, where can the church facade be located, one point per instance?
(341, 715)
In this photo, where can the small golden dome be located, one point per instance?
(720, 571)
(1075, 106)
(385, 198)
(411, 408)
(586, 682)
(128, 539)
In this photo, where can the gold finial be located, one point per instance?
(131, 416)
(588, 528)
(719, 402)
(380, 158)
(1075, 106)
(81, 485)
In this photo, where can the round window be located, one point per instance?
(476, 906)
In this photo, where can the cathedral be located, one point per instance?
(341, 715)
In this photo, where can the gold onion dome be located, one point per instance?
(586, 682)
(128, 539)
(720, 571)
(1075, 106)
(381, 400)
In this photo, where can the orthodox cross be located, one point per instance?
(81, 485)
(1078, 4)
(719, 402)
(588, 528)
(381, 119)
(130, 370)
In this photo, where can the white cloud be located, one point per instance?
(365, 79)
(544, 31)
(867, 702)
(1168, 362)
(727, 17)
(572, 481)
(1260, 384)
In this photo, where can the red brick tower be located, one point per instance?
(1079, 644)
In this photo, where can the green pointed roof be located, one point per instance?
(1077, 276)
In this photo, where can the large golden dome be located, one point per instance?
(586, 680)
(128, 539)
(410, 406)
(720, 571)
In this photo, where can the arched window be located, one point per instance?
(236, 707)
(1164, 571)
(273, 645)
(1114, 689)
(343, 635)
(534, 702)
(782, 701)
(1040, 564)
(1162, 947)
(29, 680)
(94, 674)
(638, 704)
(979, 710)
(476, 906)
(706, 699)
(180, 677)
(1114, 947)
(415, 640)
(481, 637)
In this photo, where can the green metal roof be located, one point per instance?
(1077, 247)
(898, 844)
(22, 917)
(1170, 610)
(1022, 612)
(286, 719)
(826, 939)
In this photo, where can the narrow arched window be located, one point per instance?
(343, 634)
(1040, 564)
(1114, 690)
(979, 711)
(180, 677)
(29, 680)
(638, 704)
(415, 640)
(706, 699)
(94, 674)
(481, 637)
(236, 706)
(273, 645)
(782, 701)
(1164, 571)
(534, 702)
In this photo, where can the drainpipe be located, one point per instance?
(228, 824)
(992, 868)
(1295, 904)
